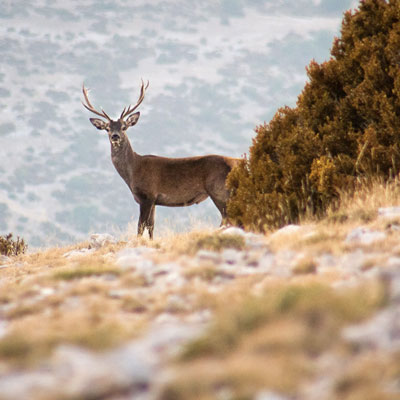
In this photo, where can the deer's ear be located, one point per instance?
(132, 119)
(98, 123)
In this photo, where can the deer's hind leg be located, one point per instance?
(150, 221)
(216, 189)
(221, 205)
(220, 198)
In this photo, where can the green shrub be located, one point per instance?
(10, 247)
(346, 125)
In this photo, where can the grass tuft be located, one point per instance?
(15, 347)
(218, 242)
(305, 266)
(85, 270)
(205, 272)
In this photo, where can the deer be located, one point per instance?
(161, 181)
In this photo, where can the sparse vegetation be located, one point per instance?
(11, 247)
(270, 340)
(216, 242)
(311, 304)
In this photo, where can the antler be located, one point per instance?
(89, 106)
(129, 110)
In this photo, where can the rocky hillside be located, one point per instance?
(310, 311)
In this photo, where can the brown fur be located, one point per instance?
(162, 181)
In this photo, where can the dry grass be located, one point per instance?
(48, 299)
(305, 266)
(190, 243)
(270, 340)
(268, 331)
(274, 339)
(31, 339)
(84, 270)
(362, 378)
(206, 272)
(361, 205)
(359, 208)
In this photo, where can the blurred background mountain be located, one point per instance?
(216, 70)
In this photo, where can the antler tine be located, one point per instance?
(130, 110)
(89, 105)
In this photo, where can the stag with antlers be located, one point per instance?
(161, 181)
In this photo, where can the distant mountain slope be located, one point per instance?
(215, 70)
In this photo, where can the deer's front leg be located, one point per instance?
(146, 212)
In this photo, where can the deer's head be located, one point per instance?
(116, 129)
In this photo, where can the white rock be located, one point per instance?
(206, 255)
(3, 328)
(4, 259)
(286, 230)
(135, 257)
(136, 251)
(78, 253)
(381, 332)
(391, 279)
(119, 293)
(176, 303)
(139, 264)
(98, 240)
(94, 375)
(199, 317)
(172, 279)
(47, 291)
(364, 236)
(373, 273)
(231, 256)
(233, 230)
(266, 262)
(28, 385)
(166, 335)
(267, 395)
(326, 261)
(352, 262)
(255, 242)
(393, 261)
(389, 212)
(89, 375)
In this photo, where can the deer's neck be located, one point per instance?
(125, 161)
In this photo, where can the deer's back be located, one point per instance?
(201, 166)
(183, 181)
